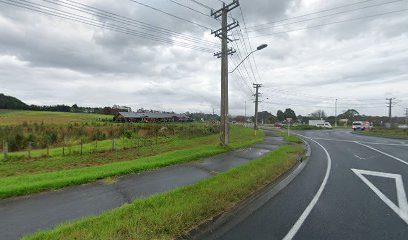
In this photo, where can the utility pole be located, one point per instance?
(256, 86)
(390, 109)
(245, 112)
(223, 34)
(335, 114)
(406, 116)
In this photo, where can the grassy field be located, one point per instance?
(92, 147)
(15, 117)
(29, 177)
(387, 133)
(172, 214)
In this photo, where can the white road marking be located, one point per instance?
(386, 154)
(352, 141)
(361, 158)
(402, 209)
(295, 228)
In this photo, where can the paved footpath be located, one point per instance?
(24, 215)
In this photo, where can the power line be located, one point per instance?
(91, 22)
(170, 14)
(240, 57)
(326, 24)
(308, 14)
(115, 17)
(249, 43)
(190, 8)
(328, 15)
(202, 4)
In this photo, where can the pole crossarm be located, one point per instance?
(227, 8)
(219, 32)
(230, 51)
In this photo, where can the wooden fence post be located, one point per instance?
(5, 150)
(29, 150)
(123, 142)
(81, 146)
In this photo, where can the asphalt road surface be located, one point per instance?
(353, 187)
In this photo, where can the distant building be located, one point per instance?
(150, 117)
(122, 108)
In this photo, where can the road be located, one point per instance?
(24, 215)
(353, 187)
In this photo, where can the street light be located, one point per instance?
(260, 47)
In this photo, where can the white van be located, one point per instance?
(324, 125)
(361, 125)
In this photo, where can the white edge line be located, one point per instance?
(295, 228)
(386, 154)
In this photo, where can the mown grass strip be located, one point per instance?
(395, 133)
(170, 215)
(31, 183)
(289, 138)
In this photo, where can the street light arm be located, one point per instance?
(243, 61)
(260, 47)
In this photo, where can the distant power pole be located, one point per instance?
(390, 109)
(223, 34)
(406, 116)
(245, 111)
(335, 114)
(256, 86)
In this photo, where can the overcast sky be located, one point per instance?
(45, 59)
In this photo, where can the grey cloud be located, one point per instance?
(46, 60)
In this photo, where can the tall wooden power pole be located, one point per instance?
(256, 86)
(390, 109)
(335, 114)
(225, 51)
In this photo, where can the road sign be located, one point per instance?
(402, 209)
(289, 120)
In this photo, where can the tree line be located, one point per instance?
(9, 102)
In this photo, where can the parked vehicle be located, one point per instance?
(316, 122)
(277, 124)
(320, 123)
(361, 125)
(324, 125)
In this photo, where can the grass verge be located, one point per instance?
(291, 138)
(170, 215)
(386, 133)
(31, 183)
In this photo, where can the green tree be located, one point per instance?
(350, 114)
(280, 116)
(289, 113)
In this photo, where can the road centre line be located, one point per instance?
(384, 153)
(295, 228)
